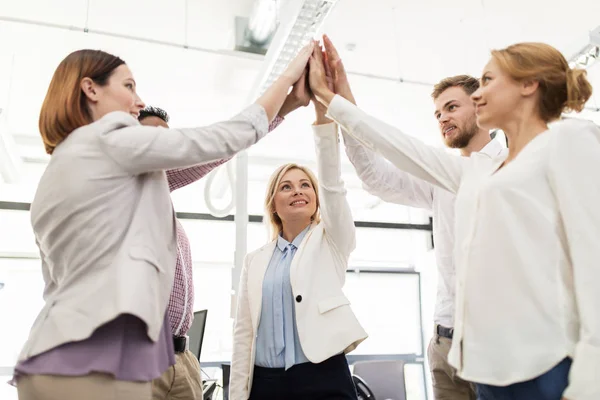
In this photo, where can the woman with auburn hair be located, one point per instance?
(105, 227)
(294, 324)
(527, 325)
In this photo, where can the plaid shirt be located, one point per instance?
(181, 303)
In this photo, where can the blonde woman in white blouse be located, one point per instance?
(528, 223)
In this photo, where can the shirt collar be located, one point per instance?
(493, 148)
(282, 243)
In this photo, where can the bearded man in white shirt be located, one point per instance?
(455, 113)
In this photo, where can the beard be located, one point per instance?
(465, 134)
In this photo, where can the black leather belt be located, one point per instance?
(445, 332)
(179, 343)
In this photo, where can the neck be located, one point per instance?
(520, 132)
(291, 229)
(477, 142)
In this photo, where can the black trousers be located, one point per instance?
(330, 379)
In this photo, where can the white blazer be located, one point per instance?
(104, 222)
(326, 324)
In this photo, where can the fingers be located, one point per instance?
(308, 49)
(327, 66)
(318, 52)
(305, 53)
(332, 53)
(302, 80)
(334, 61)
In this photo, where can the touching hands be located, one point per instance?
(321, 109)
(317, 77)
(297, 66)
(299, 96)
(326, 76)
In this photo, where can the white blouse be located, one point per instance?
(527, 249)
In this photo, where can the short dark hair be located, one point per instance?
(467, 82)
(150, 111)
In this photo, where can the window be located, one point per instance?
(20, 302)
(387, 305)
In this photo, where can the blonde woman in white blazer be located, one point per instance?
(297, 351)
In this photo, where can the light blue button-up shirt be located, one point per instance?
(277, 343)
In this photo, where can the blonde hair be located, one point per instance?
(275, 223)
(561, 88)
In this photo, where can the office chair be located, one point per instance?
(362, 389)
(385, 378)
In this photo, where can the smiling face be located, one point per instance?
(119, 94)
(498, 97)
(295, 197)
(292, 197)
(455, 113)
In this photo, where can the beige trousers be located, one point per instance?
(181, 381)
(446, 384)
(94, 386)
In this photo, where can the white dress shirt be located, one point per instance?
(384, 180)
(527, 253)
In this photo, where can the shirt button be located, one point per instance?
(298, 298)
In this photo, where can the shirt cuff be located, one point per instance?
(583, 377)
(275, 123)
(344, 112)
(257, 116)
(326, 130)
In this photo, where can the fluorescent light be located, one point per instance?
(301, 21)
(589, 54)
(586, 57)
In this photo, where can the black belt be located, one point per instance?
(445, 332)
(179, 343)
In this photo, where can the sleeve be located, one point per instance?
(181, 177)
(140, 149)
(382, 179)
(574, 177)
(335, 210)
(405, 152)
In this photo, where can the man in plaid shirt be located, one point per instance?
(183, 380)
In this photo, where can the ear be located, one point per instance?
(529, 87)
(89, 88)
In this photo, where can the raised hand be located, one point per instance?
(317, 77)
(320, 109)
(338, 72)
(299, 96)
(297, 66)
(274, 97)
